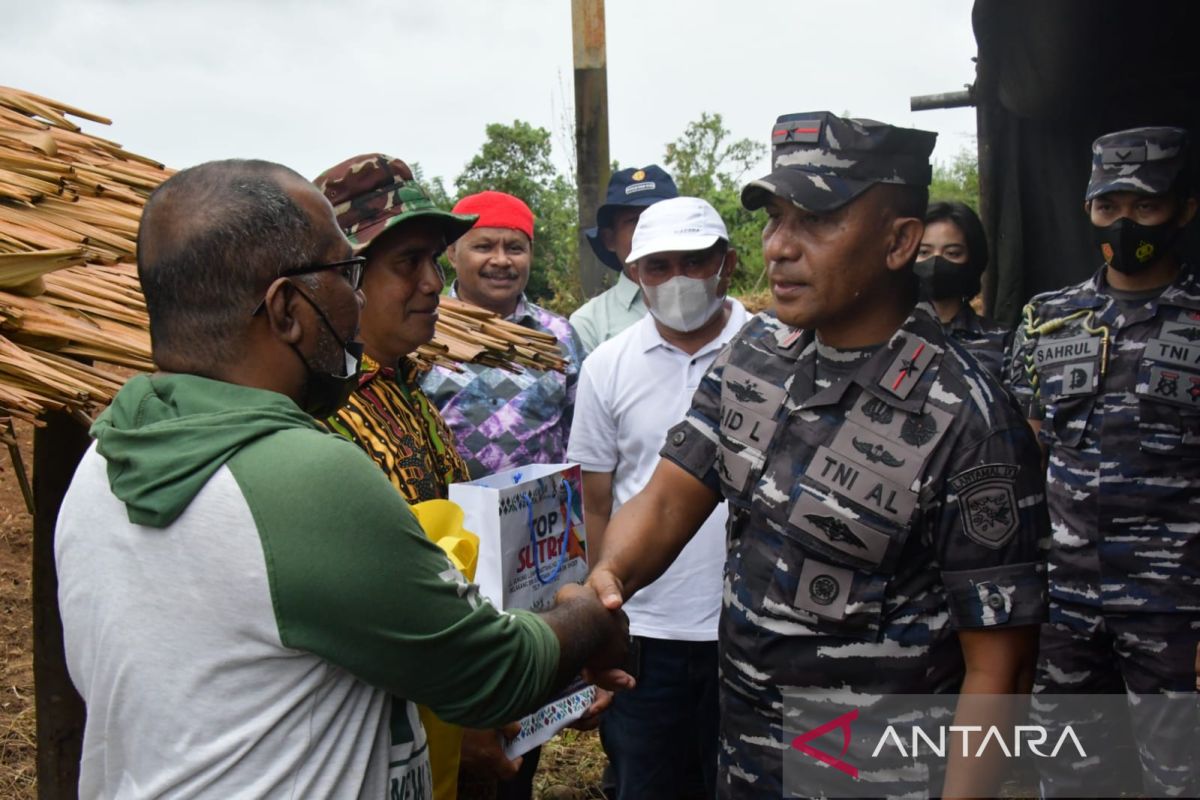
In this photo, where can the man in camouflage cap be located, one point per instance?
(1109, 371)
(390, 220)
(885, 506)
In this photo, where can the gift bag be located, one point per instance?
(531, 535)
(532, 542)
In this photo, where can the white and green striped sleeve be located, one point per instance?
(354, 580)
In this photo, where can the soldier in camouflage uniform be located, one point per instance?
(885, 494)
(950, 263)
(1109, 372)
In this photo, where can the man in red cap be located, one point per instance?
(501, 419)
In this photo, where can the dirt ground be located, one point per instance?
(17, 738)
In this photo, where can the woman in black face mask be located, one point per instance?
(949, 266)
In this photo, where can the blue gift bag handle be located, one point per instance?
(562, 549)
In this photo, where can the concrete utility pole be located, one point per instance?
(593, 165)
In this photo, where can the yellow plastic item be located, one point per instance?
(442, 522)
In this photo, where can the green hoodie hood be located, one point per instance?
(165, 435)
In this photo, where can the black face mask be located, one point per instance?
(1129, 247)
(325, 392)
(941, 279)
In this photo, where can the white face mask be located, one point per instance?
(684, 304)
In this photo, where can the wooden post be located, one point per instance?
(593, 166)
(57, 449)
(985, 113)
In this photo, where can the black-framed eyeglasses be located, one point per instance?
(351, 269)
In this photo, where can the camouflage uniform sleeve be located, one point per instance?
(993, 529)
(692, 444)
(1016, 373)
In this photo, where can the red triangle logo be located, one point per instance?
(801, 742)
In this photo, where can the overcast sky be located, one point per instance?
(310, 83)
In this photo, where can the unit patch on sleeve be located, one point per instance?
(987, 501)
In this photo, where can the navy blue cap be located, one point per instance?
(636, 187)
(822, 162)
(1142, 160)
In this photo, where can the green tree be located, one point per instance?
(434, 187)
(706, 163)
(516, 159)
(958, 180)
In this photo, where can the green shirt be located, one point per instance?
(609, 313)
(251, 609)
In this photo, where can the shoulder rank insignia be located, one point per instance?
(907, 368)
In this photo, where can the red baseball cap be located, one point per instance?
(498, 210)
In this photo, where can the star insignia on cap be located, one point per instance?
(637, 176)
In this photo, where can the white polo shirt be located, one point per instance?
(631, 390)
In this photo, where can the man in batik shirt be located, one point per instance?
(503, 419)
(390, 220)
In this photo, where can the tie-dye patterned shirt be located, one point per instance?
(503, 419)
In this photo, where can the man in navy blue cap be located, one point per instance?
(885, 496)
(630, 192)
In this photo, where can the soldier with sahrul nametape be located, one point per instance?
(1109, 371)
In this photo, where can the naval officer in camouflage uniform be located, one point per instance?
(884, 493)
(1109, 371)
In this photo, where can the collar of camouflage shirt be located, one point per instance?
(1183, 292)
(893, 374)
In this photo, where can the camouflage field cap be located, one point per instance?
(1144, 160)
(822, 161)
(372, 192)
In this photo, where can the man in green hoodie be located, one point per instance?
(244, 595)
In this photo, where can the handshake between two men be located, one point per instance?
(593, 640)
